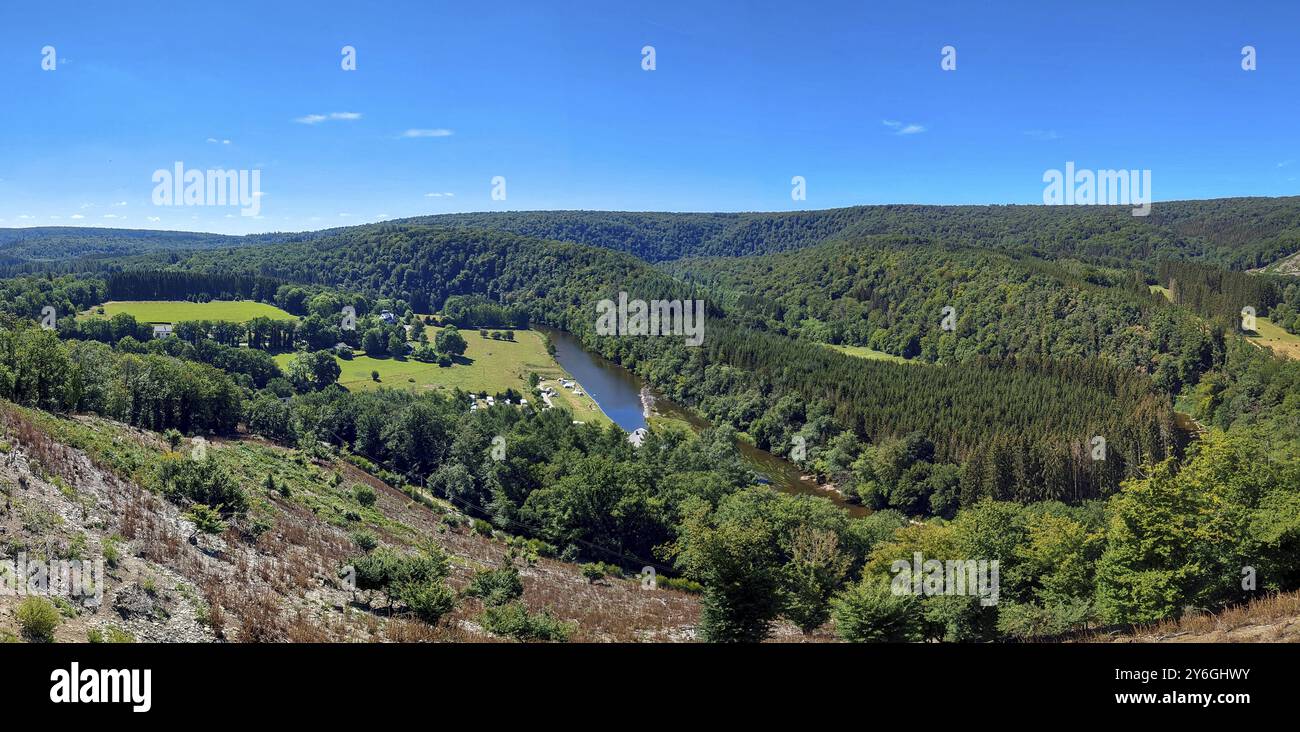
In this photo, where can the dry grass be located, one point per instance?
(1270, 619)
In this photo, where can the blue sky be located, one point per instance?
(744, 96)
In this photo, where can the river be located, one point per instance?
(618, 392)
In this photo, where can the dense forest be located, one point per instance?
(1035, 426)
(1237, 233)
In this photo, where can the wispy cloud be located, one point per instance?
(1042, 134)
(315, 119)
(900, 128)
(76, 216)
(439, 195)
(1285, 163)
(215, 141)
(439, 132)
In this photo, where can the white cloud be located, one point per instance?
(120, 203)
(25, 216)
(112, 216)
(313, 119)
(155, 219)
(899, 128)
(439, 132)
(1285, 163)
(215, 141)
(76, 216)
(439, 195)
(345, 215)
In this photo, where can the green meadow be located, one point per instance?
(488, 365)
(174, 311)
(869, 353)
(1273, 336)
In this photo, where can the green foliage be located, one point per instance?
(37, 618)
(869, 612)
(513, 620)
(365, 540)
(207, 519)
(417, 582)
(496, 586)
(185, 480)
(364, 494)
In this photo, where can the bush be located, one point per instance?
(514, 621)
(206, 518)
(428, 601)
(365, 540)
(111, 547)
(364, 494)
(37, 619)
(113, 635)
(592, 573)
(869, 612)
(482, 527)
(418, 581)
(496, 586)
(200, 481)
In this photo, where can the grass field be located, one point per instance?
(494, 366)
(1272, 335)
(174, 311)
(864, 352)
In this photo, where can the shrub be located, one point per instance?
(206, 518)
(681, 584)
(200, 481)
(37, 619)
(112, 551)
(496, 586)
(869, 612)
(364, 494)
(365, 540)
(112, 635)
(418, 581)
(482, 527)
(592, 573)
(428, 601)
(513, 620)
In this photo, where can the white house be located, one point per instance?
(162, 330)
(388, 317)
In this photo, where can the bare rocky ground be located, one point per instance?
(171, 583)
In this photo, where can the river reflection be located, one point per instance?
(618, 392)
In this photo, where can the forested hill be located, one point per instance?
(48, 243)
(1029, 419)
(1235, 233)
(1238, 233)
